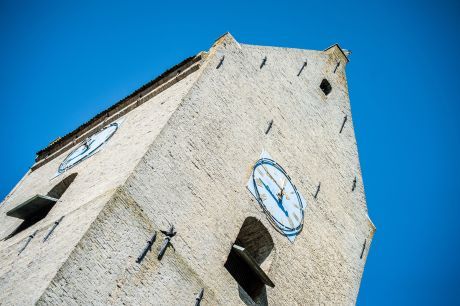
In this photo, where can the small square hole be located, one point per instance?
(325, 87)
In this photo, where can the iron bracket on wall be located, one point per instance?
(337, 66)
(56, 223)
(28, 241)
(317, 190)
(343, 123)
(221, 62)
(303, 66)
(269, 127)
(362, 251)
(263, 62)
(166, 242)
(147, 248)
(199, 297)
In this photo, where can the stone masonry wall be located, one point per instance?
(194, 175)
(24, 278)
(102, 269)
(186, 161)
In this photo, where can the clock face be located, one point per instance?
(278, 196)
(88, 147)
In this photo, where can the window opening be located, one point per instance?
(252, 247)
(38, 207)
(58, 190)
(325, 87)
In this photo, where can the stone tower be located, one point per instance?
(241, 160)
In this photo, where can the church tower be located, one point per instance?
(231, 179)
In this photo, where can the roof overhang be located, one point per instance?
(32, 207)
(340, 49)
(253, 265)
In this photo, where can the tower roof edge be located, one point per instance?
(336, 46)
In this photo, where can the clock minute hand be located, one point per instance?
(273, 179)
(269, 191)
(282, 192)
(281, 196)
(277, 200)
(280, 205)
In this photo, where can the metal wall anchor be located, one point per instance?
(269, 127)
(28, 241)
(263, 62)
(362, 251)
(303, 66)
(56, 223)
(147, 248)
(221, 62)
(199, 297)
(354, 184)
(336, 66)
(317, 190)
(169, 234)
(343, 124)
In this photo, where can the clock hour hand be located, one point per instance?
(280, 204)
(277, 200)
(88, 142)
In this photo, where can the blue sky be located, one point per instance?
(62, 63)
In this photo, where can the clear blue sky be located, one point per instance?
(60, 64)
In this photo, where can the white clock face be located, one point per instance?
(90, 146)
(277, 196)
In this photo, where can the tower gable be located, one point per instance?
(182, 161)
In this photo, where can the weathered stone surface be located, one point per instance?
(99, 175)
(184, 158)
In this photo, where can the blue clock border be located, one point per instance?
(277, 224)
(60, 171)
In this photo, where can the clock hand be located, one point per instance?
(269, 191)
(88, 142)
(280, 204)
(281, 193)
(277, 200)
(283, 190)
(269, 174)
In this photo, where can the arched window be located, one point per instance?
(58, 190)
(38, 207)
(252, 247)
